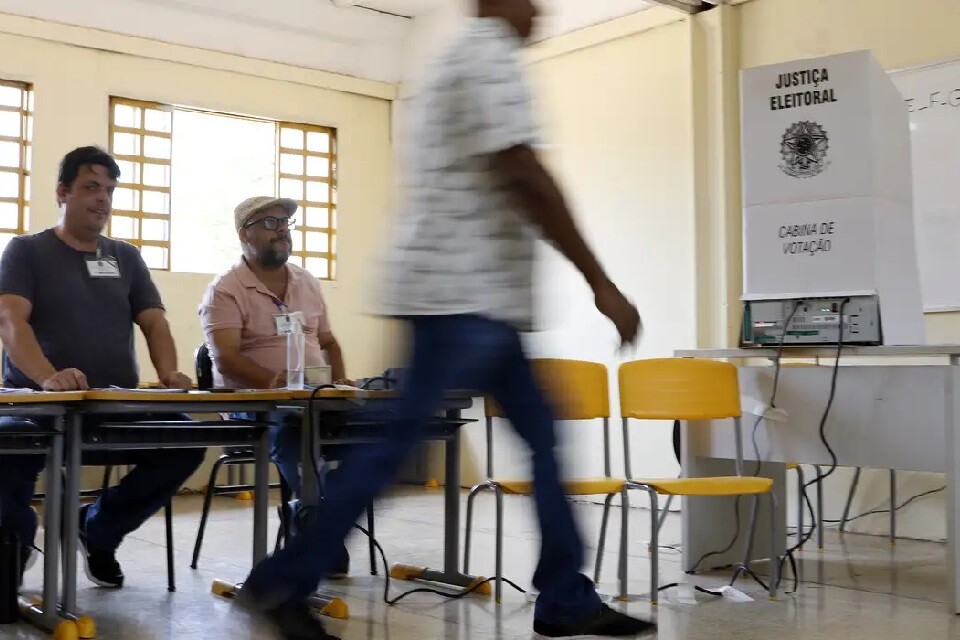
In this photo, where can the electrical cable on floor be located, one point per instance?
(311, 426)
(820, 478)
(756, 448)
(898, 508)
(446, 594)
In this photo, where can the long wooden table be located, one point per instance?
(445, 429)
(50, 406)
(68, 410)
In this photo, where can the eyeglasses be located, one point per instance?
(272, 223)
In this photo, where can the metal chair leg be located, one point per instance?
(168, 517)
(655, 547)
(370, 545)
(846, 509)
(107, 472)
(774, 558)
(498, 586)
(469, 528)
(601, 542)
(207, 498)
(286, 495)
(665, 512)
(893, 507)
(624, 536)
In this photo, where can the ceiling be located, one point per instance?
(369, 40)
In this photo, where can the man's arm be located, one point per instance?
(18, 286)
(225, 352)
(20, 341)
(163, 352)
(21, 344)
(544, 205)
(338, 370)
(505, 132)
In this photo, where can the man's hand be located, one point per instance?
(278, 381)
(614, 305)
(175, 380)
(66, 380)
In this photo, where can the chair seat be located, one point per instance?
(579, 487)
(716, 486)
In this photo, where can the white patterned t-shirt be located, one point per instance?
(461, 244)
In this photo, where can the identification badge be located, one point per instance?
(288, 322)
(103, 268)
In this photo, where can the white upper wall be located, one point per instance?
(305, 33)
(376, 40)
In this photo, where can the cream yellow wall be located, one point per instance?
(900, 34)
(73, 83)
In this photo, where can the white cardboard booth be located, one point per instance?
(828, 195)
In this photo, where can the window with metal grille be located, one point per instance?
(212, 161)
(16, 134)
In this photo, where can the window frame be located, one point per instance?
(302, 254)
(25, 143)
(136, 183)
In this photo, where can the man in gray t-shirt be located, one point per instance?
(69, 298)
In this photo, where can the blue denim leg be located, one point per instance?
(19, 478)
(449, 352)
(566, 595)
(285, 450)
(157, 475)
(284, 444)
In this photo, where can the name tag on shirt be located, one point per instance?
(287, 322)
(103, 268)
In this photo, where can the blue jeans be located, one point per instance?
(285, 445)
(156, 476)
(449, 352)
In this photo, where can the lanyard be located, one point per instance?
(277, 301)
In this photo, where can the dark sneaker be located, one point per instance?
(607, 623)
(342, 570)
(100, 566)
(289, 622)
(296, 622)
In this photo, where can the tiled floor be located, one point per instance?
(857, 588)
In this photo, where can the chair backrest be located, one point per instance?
(577, 390)
(679, 389)
(203, 366)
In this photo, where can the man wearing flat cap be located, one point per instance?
(244, 313)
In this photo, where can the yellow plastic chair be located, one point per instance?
(683, 389)
(578, 391)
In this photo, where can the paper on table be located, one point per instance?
(13, 390)
(152, 390)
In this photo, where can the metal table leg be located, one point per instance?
(44, 614)
(450, 574)
(310, 495)
(261, 498)
(326, 604)
(71, 515)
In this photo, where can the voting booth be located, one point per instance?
(828, 214)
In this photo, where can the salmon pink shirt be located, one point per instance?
(238, 300)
